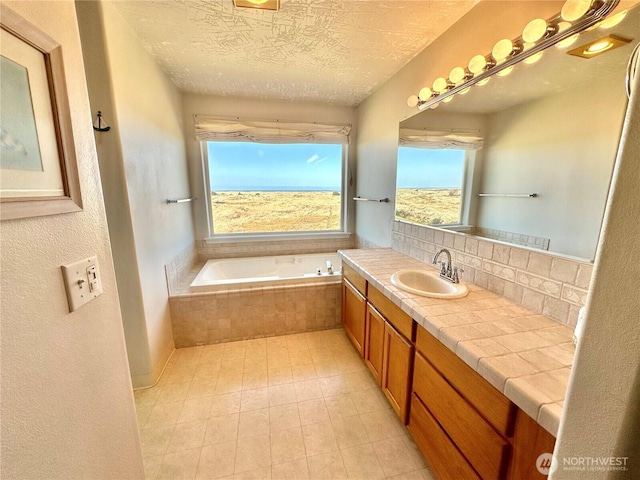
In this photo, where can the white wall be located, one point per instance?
(561, 147)
(379, 114)
(602, 415)
(143, 158)
(194, 104)
(67, 405)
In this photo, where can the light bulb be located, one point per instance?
(412, 101)
(457, 75)
(535, 30)
(425, 94)
(465, 91)
(477, 64)
(434, 106)
(448, 99)
(440, 85)
(484, 81)
(505, 72)
(613, 21)
(567, 42)
(573, 10)
(502, 49)
(533, 58)
(258, 2)
(598, 47)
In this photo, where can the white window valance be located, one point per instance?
(433, 139)
(210, 128)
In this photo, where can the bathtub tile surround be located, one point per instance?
(234, 249)
(180, 267)
(316, 413)
(541, 282)
(524, 355)
(246, 313)
(256, 312)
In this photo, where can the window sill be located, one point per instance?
(277, 237)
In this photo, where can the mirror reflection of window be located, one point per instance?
(430, 185)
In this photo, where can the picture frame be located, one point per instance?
(38, 167)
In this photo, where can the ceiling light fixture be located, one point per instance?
(599, 46)
(258, 4)
(561, 30)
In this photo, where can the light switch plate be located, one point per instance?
(82, 281)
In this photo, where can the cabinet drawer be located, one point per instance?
(489, 401)
(443, 456)
(402, 322)
(485, 449)
(355, 278)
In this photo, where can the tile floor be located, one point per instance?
(290, 407)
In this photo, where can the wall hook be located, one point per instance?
(99, 126)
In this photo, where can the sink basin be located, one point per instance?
(427, 284)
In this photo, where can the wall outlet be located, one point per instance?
(82, 281)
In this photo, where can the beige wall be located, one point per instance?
(195, 104)
(566, 146)
(379, 114)
(67, 406)
(143, 163)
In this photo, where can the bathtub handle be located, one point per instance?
(329, 267)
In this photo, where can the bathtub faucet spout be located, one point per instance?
(329, 267)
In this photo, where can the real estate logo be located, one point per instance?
(546, 464)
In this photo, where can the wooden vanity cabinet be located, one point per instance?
(382, 333)
(496, 439)
(465, 427)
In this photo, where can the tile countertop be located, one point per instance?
(526, 356)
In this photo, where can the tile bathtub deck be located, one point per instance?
(296, 406)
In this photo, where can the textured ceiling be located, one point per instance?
(334, 51)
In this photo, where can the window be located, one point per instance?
(429, 188)
(275, 188)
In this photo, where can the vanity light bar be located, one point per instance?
(482, 67)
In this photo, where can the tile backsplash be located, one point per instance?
(542, 282)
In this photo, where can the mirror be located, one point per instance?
(526, 158)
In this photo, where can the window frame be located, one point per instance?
(467, 188)
(213, 237)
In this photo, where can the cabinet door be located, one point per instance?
(354, 307)
(374, 345)
(529, 442)
(396, 370)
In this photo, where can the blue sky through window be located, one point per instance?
(240, 166)
(430, 168)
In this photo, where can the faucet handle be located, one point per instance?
(443, 268)
(456, 277)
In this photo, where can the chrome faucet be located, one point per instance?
(446, 271)
(329, 267)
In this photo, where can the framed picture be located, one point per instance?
(38, 169)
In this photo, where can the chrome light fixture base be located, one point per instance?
(596, 12)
